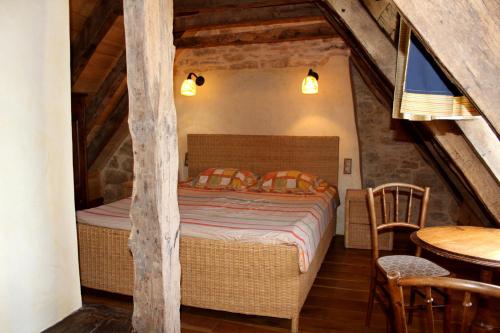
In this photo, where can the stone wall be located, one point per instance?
(389, 155)
(117, 173)
(308, 53)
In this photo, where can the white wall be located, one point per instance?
(39, 280)
(269, 101)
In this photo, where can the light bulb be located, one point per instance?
(310, 85)
(188, 88)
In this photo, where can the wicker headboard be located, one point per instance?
(263, 153)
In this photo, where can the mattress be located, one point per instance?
(267, 218)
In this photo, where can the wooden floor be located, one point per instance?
(336, 303)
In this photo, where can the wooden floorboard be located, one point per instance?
(336, 303)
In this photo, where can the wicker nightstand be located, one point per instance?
(357, 222)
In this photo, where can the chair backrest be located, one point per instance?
(411, 193)
(468, 288)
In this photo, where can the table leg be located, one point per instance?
(482, 319)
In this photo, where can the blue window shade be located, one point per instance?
(422, 90)
(423, 76)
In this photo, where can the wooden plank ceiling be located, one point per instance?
(99, 64)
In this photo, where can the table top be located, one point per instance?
(475, 245)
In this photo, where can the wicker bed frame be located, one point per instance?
(248, 278)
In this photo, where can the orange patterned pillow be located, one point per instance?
(215, 178)
(244, 180)
(292, 181)
(280, 181)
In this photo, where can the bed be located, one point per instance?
(225, 274)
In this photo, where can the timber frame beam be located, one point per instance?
(154, 239)
(306, 31)
(301, 12)
(360, 57)
(187, 7)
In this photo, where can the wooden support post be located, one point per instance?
(154, 238)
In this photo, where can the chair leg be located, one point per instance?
(447, 313)
(388, 325)
(295, 324)
(371, 297)
(412, 304)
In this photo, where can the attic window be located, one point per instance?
(423, 92)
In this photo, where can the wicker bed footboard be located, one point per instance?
(232, 276)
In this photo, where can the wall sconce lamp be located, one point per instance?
(188, 87)
(310, 83)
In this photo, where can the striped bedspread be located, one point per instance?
(268, 218)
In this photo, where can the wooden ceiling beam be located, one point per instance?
(108, 129)
(273, 35)
(183, 7)
(361, 58)
(250, 16)
(105, 92)
(463, 156)
(95, 28)
(440, 159)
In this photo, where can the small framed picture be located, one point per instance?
(347, 166)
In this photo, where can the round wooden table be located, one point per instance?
(475, 245)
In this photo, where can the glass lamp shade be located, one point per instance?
(188, 88)
(309, 85)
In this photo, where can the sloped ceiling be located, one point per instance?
(474, 169)
(368, 26)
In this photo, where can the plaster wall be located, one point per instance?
(39, 279)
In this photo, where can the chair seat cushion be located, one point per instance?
(410, 266)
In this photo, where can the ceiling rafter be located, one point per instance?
(250, 16)
(106, 90)
(187, 7)
(271, 35)
(361, 58)
(95, 28)
(108, 129)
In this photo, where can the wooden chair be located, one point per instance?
(396, 284)
(407, 265)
